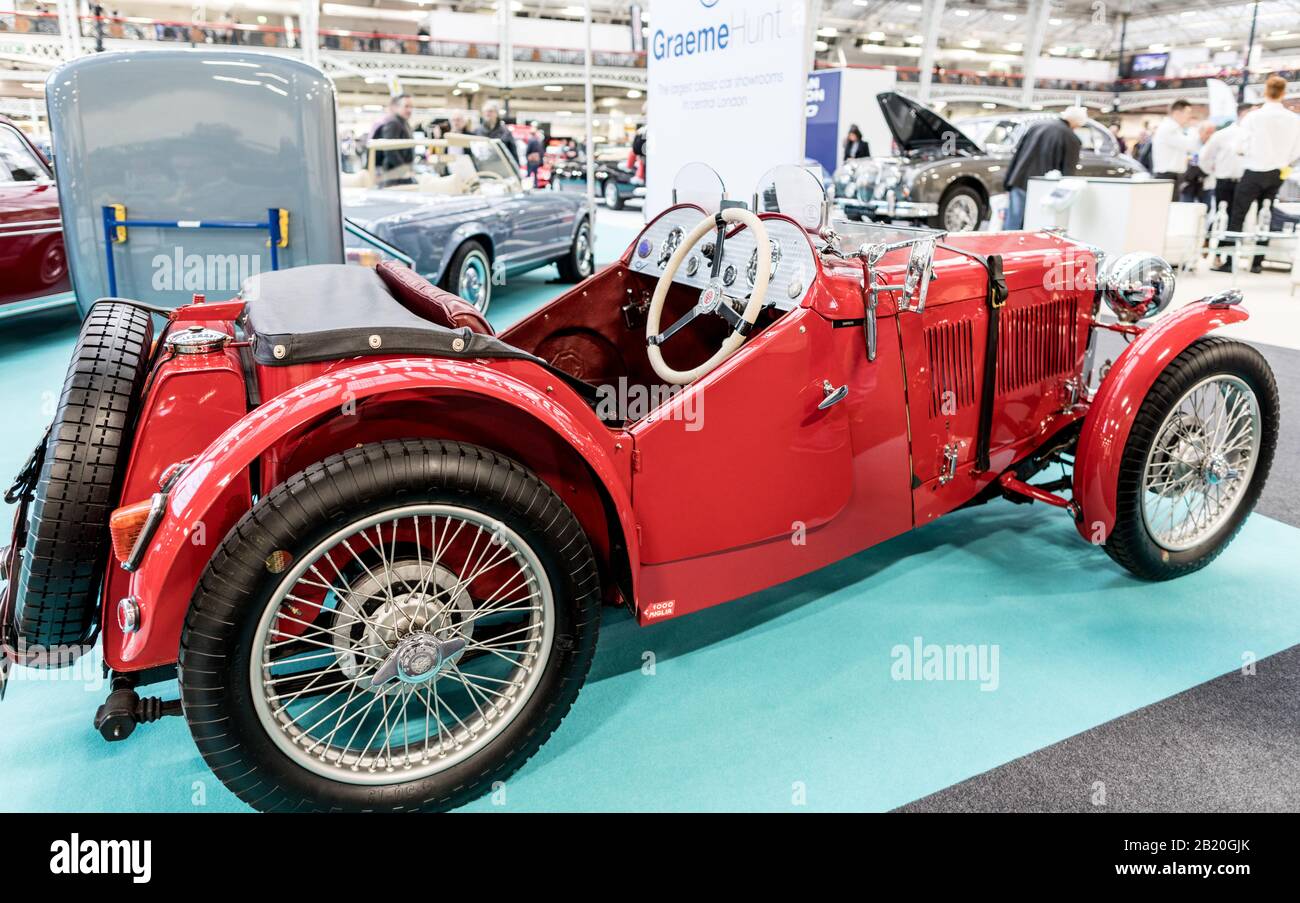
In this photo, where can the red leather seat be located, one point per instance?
(424, 299)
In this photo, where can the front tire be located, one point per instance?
(469, 275)
(613, 200)
(1196, 461)
(961, 209)
(394, 629)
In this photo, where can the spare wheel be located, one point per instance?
(71, 493)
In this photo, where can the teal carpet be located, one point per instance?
(783, 700)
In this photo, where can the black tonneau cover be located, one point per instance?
(334, 311)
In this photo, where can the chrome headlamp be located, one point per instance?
(1136, 286)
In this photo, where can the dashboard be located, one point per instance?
(793, 265)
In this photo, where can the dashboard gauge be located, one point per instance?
(692, 265)
(752, 273)
(670, 246)
(729, 275)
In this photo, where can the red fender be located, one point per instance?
(1110, 417)
(213, 492)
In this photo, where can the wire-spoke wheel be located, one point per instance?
(1198, 454)
(1200, 462)
(392, 629)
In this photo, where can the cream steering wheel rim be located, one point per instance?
(733, 341)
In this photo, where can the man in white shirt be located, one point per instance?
(1219, 158)
(1172, 145)
(1268, 141)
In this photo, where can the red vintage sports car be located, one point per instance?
(32, 260)
(373, 539)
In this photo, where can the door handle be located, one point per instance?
(833, 395)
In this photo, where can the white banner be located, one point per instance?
(726, 87)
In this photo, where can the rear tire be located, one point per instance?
(277, 760)
(580, 262)
(1172, 451)
(85, 455)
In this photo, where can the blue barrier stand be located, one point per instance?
(111, 224)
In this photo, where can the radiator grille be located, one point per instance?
(1036, 343)
(952, 366)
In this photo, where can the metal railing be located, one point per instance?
(232, 33)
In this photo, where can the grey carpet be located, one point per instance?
(1229, 745)
(1232, 744)
(1281, 497)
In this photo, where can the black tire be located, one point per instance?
(613, 200)
(80, 482)
(470, 254)
(1130, 542)
(580, 262)
(967, 194)
(217, 641)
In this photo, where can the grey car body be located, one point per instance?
(519, 228)
(945, 173)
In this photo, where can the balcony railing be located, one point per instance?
(274, 36)
(912, 75)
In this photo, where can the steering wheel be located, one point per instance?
(713, 300)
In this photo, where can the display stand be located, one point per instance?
(1115, 215)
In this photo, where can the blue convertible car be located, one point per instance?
(465, 219)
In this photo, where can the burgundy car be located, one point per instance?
(32, 262)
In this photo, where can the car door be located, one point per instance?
(525, 227)
(31, 235)
(744, 455)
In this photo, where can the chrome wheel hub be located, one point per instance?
(1201, 463)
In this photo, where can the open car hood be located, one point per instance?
(915, 127)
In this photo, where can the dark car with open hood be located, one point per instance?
(945, 173)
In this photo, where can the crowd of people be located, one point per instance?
(396, 167)
(1227, 165)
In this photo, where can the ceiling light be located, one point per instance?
(1058, 51)
(554, 89)
(876, 36)
(962, 12)
(1055, 22)
(972, 43)
(820, 46)
(1010, 17)
(633, 94)
(828, 32)
(989, 106)
(915, 39)
(1014, 46)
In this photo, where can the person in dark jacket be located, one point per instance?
(395, 167)
(1048, 145)
(854, 147)
(492, 126)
